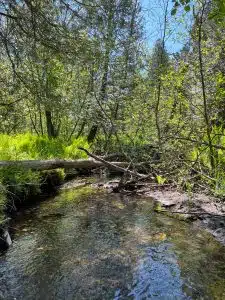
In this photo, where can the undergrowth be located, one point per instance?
(19, 184)
(28, 146)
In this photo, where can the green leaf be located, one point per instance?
(187, 8)
(160, 179)
(173, 12)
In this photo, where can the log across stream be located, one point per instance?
(52, 164)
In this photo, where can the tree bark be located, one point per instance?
(49, 124)
(60, 163)
(159, 87)
(202, 77)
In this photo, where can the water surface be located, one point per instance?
(86, 244)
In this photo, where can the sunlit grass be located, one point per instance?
(28, 146)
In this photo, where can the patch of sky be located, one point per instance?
(177, 28)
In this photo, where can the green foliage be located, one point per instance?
(18, 183)
(72, 150)
(218, 11)
(158, 207)
(95, 72)
(28, 146)
(159, 62)
(219, 188)
(136, 147)
(2, 203)
(160, 179)
(178, 3)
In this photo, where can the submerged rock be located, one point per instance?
(5, 239)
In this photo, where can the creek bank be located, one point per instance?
(204, 211)
(5, 238)
(50, 181)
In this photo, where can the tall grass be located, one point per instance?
(28, 146)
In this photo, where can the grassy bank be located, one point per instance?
(18, 185)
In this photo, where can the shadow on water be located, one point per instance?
(86, 244)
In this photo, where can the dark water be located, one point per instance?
(85, 244)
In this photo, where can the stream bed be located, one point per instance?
(87, 244)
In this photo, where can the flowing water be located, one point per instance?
(86, 244)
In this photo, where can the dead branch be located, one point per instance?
(114, 166)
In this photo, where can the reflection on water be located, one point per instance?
(158, 274)
(85, 244)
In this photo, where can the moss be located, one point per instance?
(72, 196)
(158, 207)
(217, 289)
(179, 216)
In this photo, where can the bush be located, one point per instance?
(2, 203)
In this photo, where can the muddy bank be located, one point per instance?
(203, 210)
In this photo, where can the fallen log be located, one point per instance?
(52, 164)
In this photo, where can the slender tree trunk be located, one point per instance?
(92, 133)
(33, 122)
(81, 129)
(40, 119)
(104, 82)
(159, 88)
(202, 77)
(49, 124)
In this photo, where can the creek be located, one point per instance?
(85, 243)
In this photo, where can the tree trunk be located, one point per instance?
(159, 87)
(58, 163)
(104, 81)
(92, 133)
(202, 77)
(49, 124)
